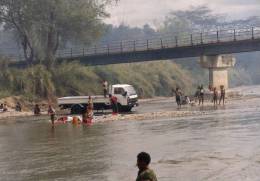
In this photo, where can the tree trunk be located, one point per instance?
(52, 43)
(28, 50)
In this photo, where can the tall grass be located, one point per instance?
(72, 79)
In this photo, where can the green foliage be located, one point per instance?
(36, 81)
(74, 79)
(42, 25)
(155, 79)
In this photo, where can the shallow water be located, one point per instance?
(223, 144)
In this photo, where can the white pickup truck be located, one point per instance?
(126, 95)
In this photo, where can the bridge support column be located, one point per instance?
(218, 68)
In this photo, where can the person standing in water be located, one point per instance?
(178, 95)
(18, 107)
(197, 94)
(222, 94)
(87, 116)
(144, 173)
(215, 96)
(51, 112)
(37, 110)
(201, 95)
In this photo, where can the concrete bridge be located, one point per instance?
(213, 48)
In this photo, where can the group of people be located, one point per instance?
(217, 97)
(88, 112)
(50, 111)
(200, 94)
(180, 98)
(3, 107)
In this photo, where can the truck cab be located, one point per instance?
(126, 96)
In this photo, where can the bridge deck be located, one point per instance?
(167, 47)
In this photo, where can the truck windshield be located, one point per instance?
(130, 90)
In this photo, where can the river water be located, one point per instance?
(222, 144)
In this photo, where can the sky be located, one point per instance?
(140, 12)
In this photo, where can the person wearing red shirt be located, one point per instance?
(114, 106)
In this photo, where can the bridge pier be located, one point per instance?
(218, 68)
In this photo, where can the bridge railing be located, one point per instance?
(210, 37)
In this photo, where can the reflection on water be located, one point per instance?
(221, 145)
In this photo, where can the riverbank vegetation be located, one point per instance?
(150, 79)
(67, 79)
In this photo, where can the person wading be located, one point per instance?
(178, 95)
(215, 96)
(37, 110)
(222, 94)
(201, 95)
(51, 112)
(87, 116)
(144, 173)
(18, 107)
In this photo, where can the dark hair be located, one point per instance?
(144, 157)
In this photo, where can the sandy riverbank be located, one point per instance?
(186, 110)
(147, 116)
(13, 116)
(154, 109)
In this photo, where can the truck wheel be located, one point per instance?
(124, 108)
(127, 108)
(77, 109)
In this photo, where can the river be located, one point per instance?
(223, 144)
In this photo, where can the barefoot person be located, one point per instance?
(201, 95)
(222, 94)
(144, 173)
(37, 110)
(178, 95)
(18, 107)
(87, 116)
(215, 96)
(5, 109)
(51, 112)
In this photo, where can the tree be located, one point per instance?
(187, 21)
(202, 18)
(42, 25)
